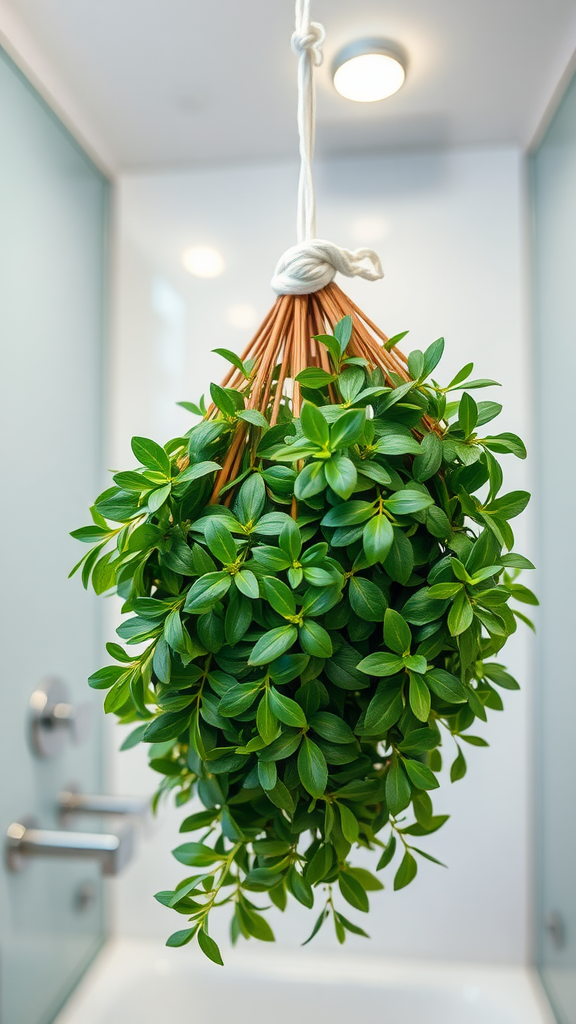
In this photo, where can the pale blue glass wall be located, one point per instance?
(53, 218)
(554, 206)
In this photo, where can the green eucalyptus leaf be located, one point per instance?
(314, 639)
(220, 541)
(467, 414)
(341, 475)
(343, 333)
(461, 614)
(312, 768)
(366, 599)
(287, 710)
(458, 767)
(279, 595)
(446, 686)
(350, 513)
(381, 664)
(384, 710)
(353, 892)
(398, 792)
(314, 426)
(151, 455)
(406, 501)
(348, 429)
(419, 698)
(331, 727)
(310, 481)
(316, 378)
(420, 776)
(378, 538)
(397, 634)
(209, 947)
(207, 591)
(429, 458)
(274, 643)
(406, 872)
(247, 584)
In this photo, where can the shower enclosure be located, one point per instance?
(53, 226)
(553, 181)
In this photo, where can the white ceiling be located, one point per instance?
(183, 82)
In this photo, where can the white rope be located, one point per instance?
(307, 45)
(313, 263)
(310, 266)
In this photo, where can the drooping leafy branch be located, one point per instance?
(314, 624)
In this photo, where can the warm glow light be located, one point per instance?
(368, 71)
(243, 316)
(203, 262)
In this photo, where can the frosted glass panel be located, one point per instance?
(554, 196)
(52, 263)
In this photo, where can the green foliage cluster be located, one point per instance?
(304, 656)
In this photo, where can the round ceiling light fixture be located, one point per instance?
(369, 70)
(202, 261)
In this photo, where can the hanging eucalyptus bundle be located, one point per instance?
(318, 578)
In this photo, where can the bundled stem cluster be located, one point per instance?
(317, 578)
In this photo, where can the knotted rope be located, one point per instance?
(313, 262)
(309, 266)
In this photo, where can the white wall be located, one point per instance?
(450, 229)
(31, 56)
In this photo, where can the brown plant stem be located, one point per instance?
(283, 346)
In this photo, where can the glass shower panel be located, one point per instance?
(53, 215)
(554, 205)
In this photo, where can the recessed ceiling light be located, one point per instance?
(369, 70)
(202, 261)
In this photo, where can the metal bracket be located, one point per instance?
(53, 719)
(24, 842)
(72, 802)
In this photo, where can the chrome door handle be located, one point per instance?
(112, 851)
(53, 719)
(72, 802)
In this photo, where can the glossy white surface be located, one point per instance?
(197, 82)
(143, 983)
